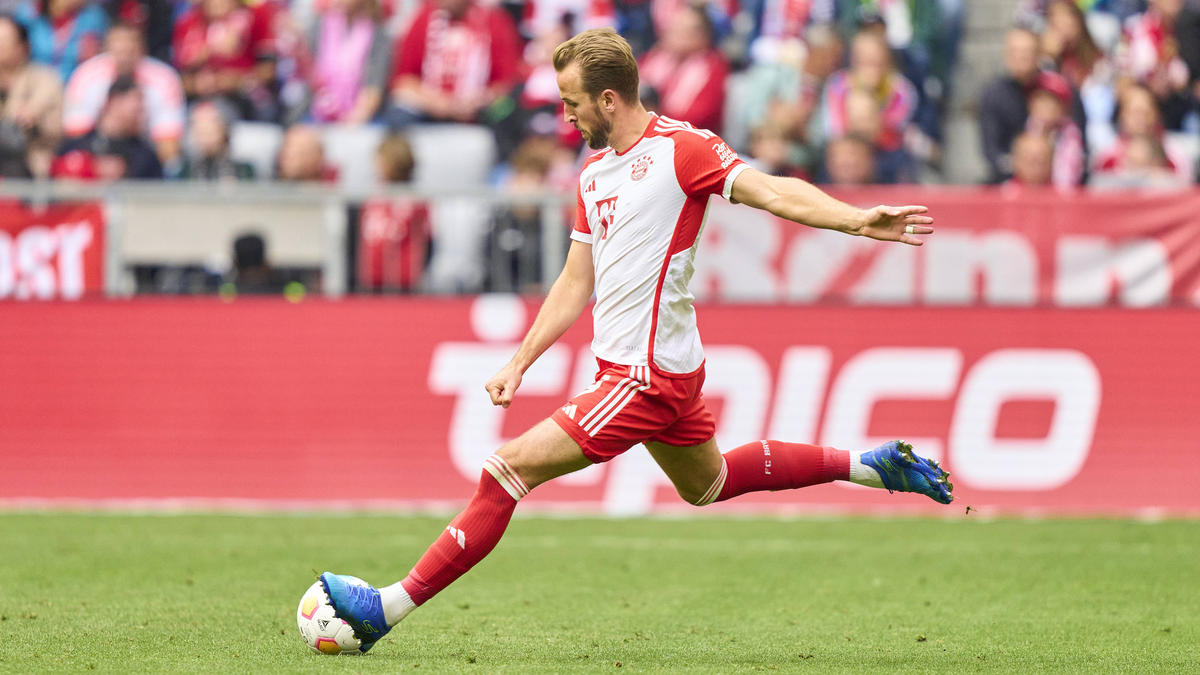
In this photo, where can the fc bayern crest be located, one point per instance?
(640, 166)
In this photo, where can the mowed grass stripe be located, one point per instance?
(216, 593)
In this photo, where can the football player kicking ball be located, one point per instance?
(641, 204)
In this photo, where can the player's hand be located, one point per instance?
(897, 223)
(503, 386)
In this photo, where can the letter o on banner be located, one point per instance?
(1067, 377)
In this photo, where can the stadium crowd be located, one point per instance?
(1104, 93)
(842, 91)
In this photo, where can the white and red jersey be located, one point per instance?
(642, 211)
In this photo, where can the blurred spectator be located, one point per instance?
(787, 93)
(395, 235)
(635, 22)
(1187, 31)
(850, 160)
(1032, 13)
(252, 272)
(1003, 108)
(153, 19)
(125, 56)
(215, 52)
(924, 35)
(208, 155)
(1069, 49)
(458, 58)
(352, 57)
(543, 16)
(1067, 44)
(864, 119)
(666, 12)
(871, 71)
(513, 246)
(63, 33)
(30, 107)
(1049, 103)
(1139, 117)
(777, 29)
(1032, 160)
(394, 161)
(538, 109)
(686, 70)
(283, 61)
(1149, 54)
(302, 156)
(1143, 164)
(771, 150)
(115, 149)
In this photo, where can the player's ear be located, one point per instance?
(608, 100)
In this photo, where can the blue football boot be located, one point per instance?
(904, 471)
(358, 605)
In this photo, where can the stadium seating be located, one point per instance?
(256, 143)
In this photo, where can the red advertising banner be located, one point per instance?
(53, 252)
(991, 247)
(380, 402)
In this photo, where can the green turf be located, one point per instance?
(218, 593)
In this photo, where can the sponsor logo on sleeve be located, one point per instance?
(726, 154)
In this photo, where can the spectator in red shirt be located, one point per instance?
(394, 233)
(1149, 54)
(215, 52)
(687, 72)
(458, 58)
(1049, 114)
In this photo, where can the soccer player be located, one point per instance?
(641, 204)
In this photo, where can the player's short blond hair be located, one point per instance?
(605, 62)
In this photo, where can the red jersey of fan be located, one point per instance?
(461, 56)
(642, 211)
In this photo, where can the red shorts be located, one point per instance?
(627, 405)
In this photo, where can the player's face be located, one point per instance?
(581, 110)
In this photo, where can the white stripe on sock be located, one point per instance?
(715, 489)
(506, 477)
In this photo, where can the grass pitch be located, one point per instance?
(219, 593)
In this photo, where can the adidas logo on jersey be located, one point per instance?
(570, 409)
(591, 186)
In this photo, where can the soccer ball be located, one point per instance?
(321, 630)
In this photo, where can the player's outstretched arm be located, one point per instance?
(804, 203)
(565, 301)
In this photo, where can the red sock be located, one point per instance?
(471, 535)
(775, 465)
